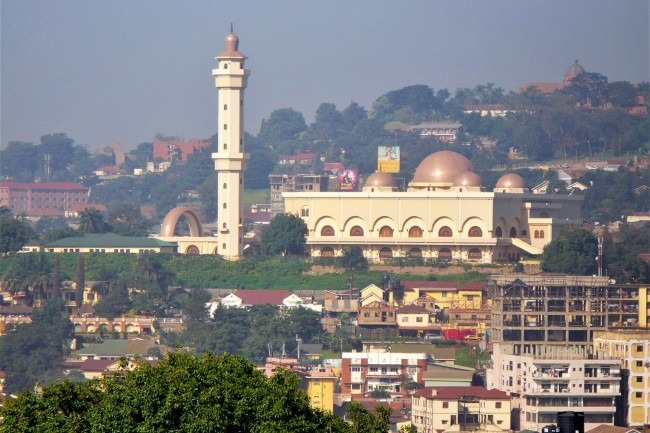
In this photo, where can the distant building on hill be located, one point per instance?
(42, 199)
(178, 150)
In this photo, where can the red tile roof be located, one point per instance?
(455, 392)
(44, 185)
(261, 297)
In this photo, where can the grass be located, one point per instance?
(469, 355)
(255, 196)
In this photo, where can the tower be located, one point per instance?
(230, 159)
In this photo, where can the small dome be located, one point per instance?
(574, 70)
(441, 167)
(511, 180)
(380, 179)
(468, 178)
(231, 47)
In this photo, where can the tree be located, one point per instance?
(573, 253)
(34, 351)
(80, 280)
(19, 161)
(183, 394)
(285, 234)
(353, 259)
(196, 310)
(30, 273)
(14, 234)
(91, 220)
(283, 124)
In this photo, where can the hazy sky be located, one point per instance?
(124, 70)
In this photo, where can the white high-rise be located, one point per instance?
(230, 159)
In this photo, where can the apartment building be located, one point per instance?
(281, 183)
(460, 408)
(542, 331)
(632, 348)
(42, 198)
(364, 372)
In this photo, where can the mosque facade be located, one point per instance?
(445, 214)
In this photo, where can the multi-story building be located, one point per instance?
(542, 332)
(176, 150)
(281, 183)
(460, 409)
(42, 199)
(632, 347)
(364, 372)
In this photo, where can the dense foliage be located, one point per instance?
(574, 253)
(285, 235)
(182, 394)
(33, 352)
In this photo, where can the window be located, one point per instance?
(475, 232)
(405, 319)
(225, 106)
(415, 232)
(419, 319)
(225, 185)
(541, 234)
(225, 126)
(444, 232)
(225, 206)
(355, 369)
(444, 254)
(639, 348)
(327, 252)
(638, 394)
(639, 363)
(225, 146)
(385, 232)
(415, 253)
(445, 405)
(497, 405)
(327, 231)
(498, 233)
(304, 212)
(385, 253)
(513, 232)
(536, 234)
(356, 231)
(474, 254)
(638, 379)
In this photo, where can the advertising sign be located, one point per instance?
(388, 159)
(348, 179)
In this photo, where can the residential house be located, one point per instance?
(377, 319)
(363, 372)
(413, 321)
(245, 298)
(462, 408)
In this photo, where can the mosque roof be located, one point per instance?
(467, 178)
(441, 167)
(511, 180)
(380, 179)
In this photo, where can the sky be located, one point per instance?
(120, 70)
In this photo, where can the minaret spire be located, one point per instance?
(229, 159)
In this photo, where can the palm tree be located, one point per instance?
(91, 220)
(32, 274)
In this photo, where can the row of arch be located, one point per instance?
(114, 327)
(387, 253)
(413, 232)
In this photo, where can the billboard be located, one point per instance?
(348, 179)
(388, 159)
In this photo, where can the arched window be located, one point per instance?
(475, 232)
(415, 252)
(524, 233)
(304, 212)
(444, 254)
(192, 250)
(385, 232)
(225, 65)
(513, 232)
(225, 146)
(415, 232)
(225, 185)
(445, 232)
(385, 253)
(536, 234)
(474, 254)
(225, 106)
(327, 252)
(224, 225)
(327, 231)
(225, 205)
(541, 234)
(498, 232)
(356, 231)
(225, 126)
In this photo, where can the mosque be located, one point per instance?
(445, 213)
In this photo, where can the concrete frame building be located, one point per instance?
(542, 331)
(230, 160)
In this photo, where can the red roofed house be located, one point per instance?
(460, 408)
(42, 199)
(178, 150)
(413, 320)
(247, 298)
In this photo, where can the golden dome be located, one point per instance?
(441, 167)
(511, 180)
(380, 179)
(468, 178)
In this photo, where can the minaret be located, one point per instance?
(230, 159)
